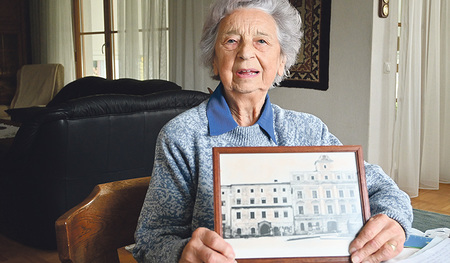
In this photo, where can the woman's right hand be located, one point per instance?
(207, 246)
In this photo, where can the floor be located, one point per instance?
(434, 201)
(12, 252)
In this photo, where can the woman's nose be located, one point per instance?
(246, 51)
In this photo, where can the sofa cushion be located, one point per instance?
(95, 85)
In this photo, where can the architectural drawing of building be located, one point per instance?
(312, 202)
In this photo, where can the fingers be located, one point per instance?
(214, 242)
(207, 246)
(382, 238)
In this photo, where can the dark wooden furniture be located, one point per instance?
(104, 222)
(14, 45)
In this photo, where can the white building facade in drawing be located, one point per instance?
(312, 202)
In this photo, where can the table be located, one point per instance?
(6, 135)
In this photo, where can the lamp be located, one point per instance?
(383, 8)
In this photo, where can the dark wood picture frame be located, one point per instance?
(336, 177)
(311, 69)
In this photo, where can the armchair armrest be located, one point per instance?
(105, 221)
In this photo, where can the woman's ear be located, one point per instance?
(281, 66)
(215, 69)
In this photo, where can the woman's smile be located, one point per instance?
(247, 73)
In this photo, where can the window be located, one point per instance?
(252, 201)
(286, 214)
(328, 194)
(96, 40)
(299, 194)
(223, 203)
(316, 209)
(352, 193)
(275, 200)
(300, 210)
(341, 193)
(274, 190)
(276, 214)
(252, 190)
(343, 210)
(263, 214)
(223, 217)
(252, 215)
(330, 209)
(238, 201)
(95, 37)
(263, 200)
(238, 215)
(238, 191)
(284, 199)
(314, 194)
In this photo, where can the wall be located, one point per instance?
(383, 91)
(344, 107)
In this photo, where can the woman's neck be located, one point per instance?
(246, 108)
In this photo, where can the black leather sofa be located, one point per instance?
(60, 154)
(88, 86)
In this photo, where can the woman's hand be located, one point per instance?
(207, 246)
(382, 238)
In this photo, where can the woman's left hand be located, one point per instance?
(382, 238)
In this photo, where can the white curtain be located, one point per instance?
(143, 43)
(421, 148)
(142, 39)
(186, 24)
(52, 34)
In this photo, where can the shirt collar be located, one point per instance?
(221, 121)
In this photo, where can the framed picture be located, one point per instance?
(311, 69)
(290, 204)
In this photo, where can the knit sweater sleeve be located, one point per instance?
(164, 226)
(384, 195)
(386, 198)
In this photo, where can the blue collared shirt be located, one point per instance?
(221, 121)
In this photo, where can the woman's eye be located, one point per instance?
(231, 41)
(262, 41)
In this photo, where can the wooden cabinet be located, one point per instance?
(14, 44)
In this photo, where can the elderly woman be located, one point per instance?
(249, 45)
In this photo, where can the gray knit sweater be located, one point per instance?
(180, 195)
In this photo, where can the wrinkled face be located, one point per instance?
(247, 51)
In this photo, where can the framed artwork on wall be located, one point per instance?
(286, 204)
(312, 67)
